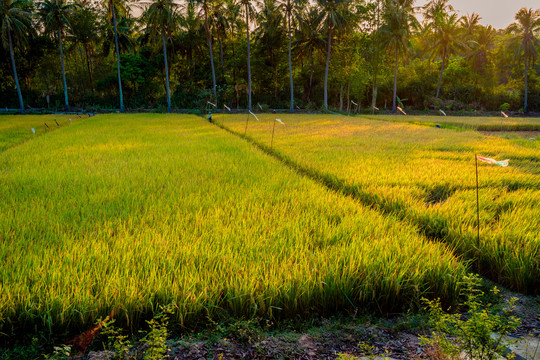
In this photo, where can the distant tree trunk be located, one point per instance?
(221, 55)
(341, 98)
(11, 53)
(327, 66)
(63, 69)
(394, 108)
(248, 58)
(209, 40)
(118, 61)
(526, 80)
(87, 53)
(349, 97)
(290, 57)
(311, 75)
(441, 74)
(166, 73)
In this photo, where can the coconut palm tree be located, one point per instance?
(220, 23)
(398, 24)
(470, 23)
(289, 6)
(205, 8)
(15, 25)
(84, 31)
(161, 19)
(447, 41)
(309, 40)
(249, 9)
(54, 14)
(112, 7)
(525, 31)
(435, 10)
(481, 45)
(335, 15)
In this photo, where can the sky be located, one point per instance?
(497, 13)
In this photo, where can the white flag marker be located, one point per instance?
(376, 108)
(226, 107)
(503, 114)
(279, 121)
(214, 105)
(254, 115)
(401, 110)
(442, 112)
(354, 102)
(260, 107)
(33, 130)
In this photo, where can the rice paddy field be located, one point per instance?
(128, 212)
(17, 129)
(425, 176)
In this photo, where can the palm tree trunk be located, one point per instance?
(209, 39)
(63, 69)
(376, 70)
(311, 75)
(166, 73)
(15, 72)
(526, 80)
(394, 108)
(341, 98)
(290, 58)
(118, 62)
(441, 74)
(221, 56)
(327, 67)
(87, 53)
(248, 58)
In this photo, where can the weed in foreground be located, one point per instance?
(478, 333)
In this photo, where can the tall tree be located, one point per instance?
(205, 8)
(398, 23)
(249, 12)
(15, 25)
(55, 14)
(84, 32)
(309, 40)
(481, 45)
(335, 15)
(161, 18)
(220, 23)
(525, 31)
(289, 6)
(112, 7)
(470, 23)
(447, 41)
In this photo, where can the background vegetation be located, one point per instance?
(344, 54)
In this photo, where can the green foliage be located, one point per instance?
(504, 107)
(479, 332)
(156, 338)
(114, 339)
(60, 353)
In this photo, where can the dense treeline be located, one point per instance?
(341, 54)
